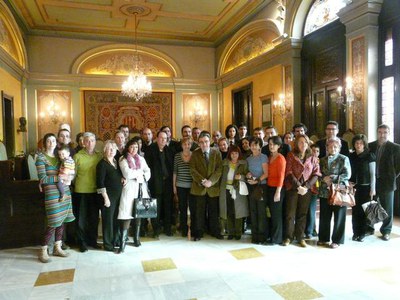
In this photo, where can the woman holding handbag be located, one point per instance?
(363, 174)
(302, 171)
(233, 205)
(256, 178)
(136, 172)
(335, 168)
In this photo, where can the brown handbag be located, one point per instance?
(342, 195)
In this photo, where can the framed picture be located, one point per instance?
(266, 109)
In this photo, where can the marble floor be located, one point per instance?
(175, 268)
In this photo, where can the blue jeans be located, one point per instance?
(310, 225)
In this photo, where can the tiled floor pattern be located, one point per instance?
(175, 268)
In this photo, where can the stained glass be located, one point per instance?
(323, 12)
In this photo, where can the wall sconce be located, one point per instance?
(52, 113)
(352, 93)
(198, 115)
(282, 109)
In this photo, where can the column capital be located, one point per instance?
(360, 14)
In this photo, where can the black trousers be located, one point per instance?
(359, 221)
(86, 208)
(339, 222)
(275, 230)
(234, 225)
(184, 198)
(164, 209)
(258, 215)
(387, 201)
(110, 225)
(209, 207)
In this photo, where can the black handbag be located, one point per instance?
(144, 207)
(375, 213)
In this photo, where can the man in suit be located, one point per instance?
(270, 131)
(125, 129)
(206, 170)
(216, 135)
(242, 130)
(258, 132)
(387, 172)
(331, 132)
(171, 143)
(147, 138)
(160, 159)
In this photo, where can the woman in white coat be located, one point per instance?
(136, 171)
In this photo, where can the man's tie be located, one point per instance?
(206, 157)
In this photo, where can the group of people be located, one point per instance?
(219, 185)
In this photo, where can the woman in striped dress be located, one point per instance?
(57, 212)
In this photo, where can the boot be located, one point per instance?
(43, 255)
(57, 251)
(136, 235)
(122, 241)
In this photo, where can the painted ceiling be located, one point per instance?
(197, 22)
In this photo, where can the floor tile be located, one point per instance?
(245, 253)
(158, 264)
(296, 290)
(54, 277)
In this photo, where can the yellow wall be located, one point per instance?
(12, 87)
(264, 83)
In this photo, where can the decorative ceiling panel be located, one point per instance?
(198, 21)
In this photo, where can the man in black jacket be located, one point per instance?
(387, 172)
(331, 131)
(160, 159)
(270, 131)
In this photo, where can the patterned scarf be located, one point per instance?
(133, 165)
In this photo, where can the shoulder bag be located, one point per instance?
(144, 207)
(341, 194)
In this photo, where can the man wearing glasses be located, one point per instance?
(331, 131)
(206, 170)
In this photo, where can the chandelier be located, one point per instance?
(136, 85)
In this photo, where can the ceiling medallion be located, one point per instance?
(131, 10)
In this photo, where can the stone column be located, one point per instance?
(361, 20)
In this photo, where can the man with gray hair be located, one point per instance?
(206, 170)
(85, 203)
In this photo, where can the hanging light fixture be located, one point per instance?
(136, 85)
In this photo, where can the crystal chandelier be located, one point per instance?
(136, 86)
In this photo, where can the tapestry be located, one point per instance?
(106, 110)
